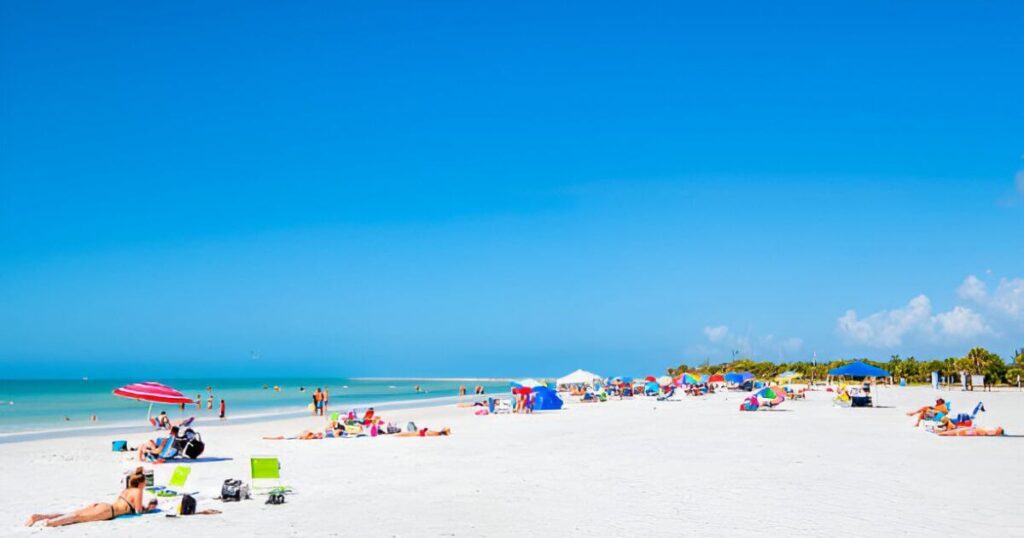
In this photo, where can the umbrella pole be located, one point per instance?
(150, 412)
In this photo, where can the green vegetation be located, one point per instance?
(977, 361)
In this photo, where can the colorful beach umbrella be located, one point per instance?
(152, 392)
(689, 379)
(716, 378)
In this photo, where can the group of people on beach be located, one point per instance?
(222, 410)
(370, 424)
(961, 425)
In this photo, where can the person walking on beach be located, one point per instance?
(222, 409)
(317, 401)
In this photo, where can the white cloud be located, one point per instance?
(972, 289)
(961, 323)
(1007, 299)
(717, 333)
(888, 328)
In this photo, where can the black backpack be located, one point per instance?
(190, 443)
(188, 505)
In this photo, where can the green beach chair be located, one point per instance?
(176, 485)
(265, 473)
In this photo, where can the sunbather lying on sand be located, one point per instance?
(930, 412)
(425, 432)
(128, 502)
(971, 431)
(306, 435)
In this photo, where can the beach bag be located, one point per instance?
(234, 490)
(190, 444)
(119, 446)
(187, 506)
(193, 447)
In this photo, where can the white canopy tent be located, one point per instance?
(580, 377)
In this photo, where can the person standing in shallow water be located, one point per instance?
(209, 403)
(222, 409)
(199, 402)
(462, 391)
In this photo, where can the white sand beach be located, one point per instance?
(690, 467)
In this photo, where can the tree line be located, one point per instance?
(977, 361)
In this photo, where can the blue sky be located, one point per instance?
(471, 189)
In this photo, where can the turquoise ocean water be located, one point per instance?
(43, 405)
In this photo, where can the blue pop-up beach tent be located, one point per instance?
(546, 399)
(859, 369)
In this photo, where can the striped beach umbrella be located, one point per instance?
(689, 379)
(152, 392)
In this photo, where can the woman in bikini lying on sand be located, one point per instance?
(128, 502)
(970, 431)
(425, 432)
(948, 428)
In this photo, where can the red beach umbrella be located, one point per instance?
(716, 378)
(152, 392)
(651, 379)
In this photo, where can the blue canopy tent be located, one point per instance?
(859, 369)
(546, 399)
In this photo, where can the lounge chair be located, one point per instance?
(502, 406)
(170, 450)
(267, 470)
(176, 485)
